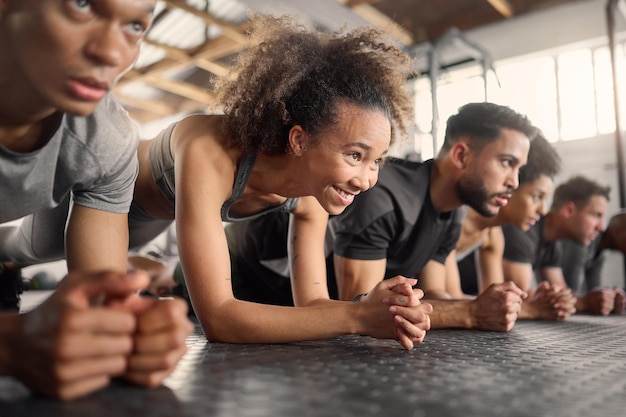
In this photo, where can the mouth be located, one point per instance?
(88, 89)
(345, 197)
(502, 199)
(592, 238)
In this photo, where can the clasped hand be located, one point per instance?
(75, 343)
(410, 317)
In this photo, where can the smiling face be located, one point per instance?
(67, 54)
(346, 157)
(491, 175)
(528, 203)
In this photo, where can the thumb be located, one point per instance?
(85, 288)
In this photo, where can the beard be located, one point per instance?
(472, 192)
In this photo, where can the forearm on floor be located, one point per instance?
(450, 314)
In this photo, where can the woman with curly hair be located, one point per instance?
(307, 123)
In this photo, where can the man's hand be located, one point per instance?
(620, 301)
(159, 341)
(71, 345)
(549, 303)
(603, 301)
(497, 307)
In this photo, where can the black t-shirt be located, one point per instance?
(582, 265)
(396, 221)
(531, 247)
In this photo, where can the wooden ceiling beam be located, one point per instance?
(380, 20)
(504, 7)
(158, 108)
(185, 58)
(182, 89)
(212, 50)
(228, 29)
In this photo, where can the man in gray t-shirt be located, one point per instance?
(66, 147)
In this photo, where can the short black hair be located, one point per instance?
(483, 122)
(578, 190)
(542, 160)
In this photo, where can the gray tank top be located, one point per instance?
(162, 165)
(462, 255)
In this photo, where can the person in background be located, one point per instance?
(577, 213)
(582, 267)
(480, 247)
(66, 143)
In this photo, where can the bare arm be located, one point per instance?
(307, 261)
(433, 279)
(494, 309)
(490, 268)
(204, 179)
(554, 275)
(98, 241)
(519, 273)
(355, 276)
(453, 278)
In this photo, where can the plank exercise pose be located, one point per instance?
(307, 122)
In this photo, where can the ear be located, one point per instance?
(460, 154)
(297, 140)
(568, 209)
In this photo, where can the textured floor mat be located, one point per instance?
(573, 368)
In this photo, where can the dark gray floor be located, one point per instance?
(574, 368)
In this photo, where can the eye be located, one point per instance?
(356, 156)
(507, 162)
(136, 28)
(82, 6)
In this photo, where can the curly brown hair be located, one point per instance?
(295, 76)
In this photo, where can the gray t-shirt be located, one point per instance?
(92, 157)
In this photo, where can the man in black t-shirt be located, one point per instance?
(409, 222)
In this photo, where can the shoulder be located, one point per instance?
(109, 129)
(404, 185)
(398, 173)
(493, 239)
(109, 117)
(201, 134)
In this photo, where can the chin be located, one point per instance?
(80, 110)
(335, 211)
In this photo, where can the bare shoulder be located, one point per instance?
(494, 239)
(199, 131)
(201, 158)
(310, 207)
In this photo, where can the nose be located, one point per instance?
(542, 210)
(513, 180)
(366, 179)
(107, 45)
